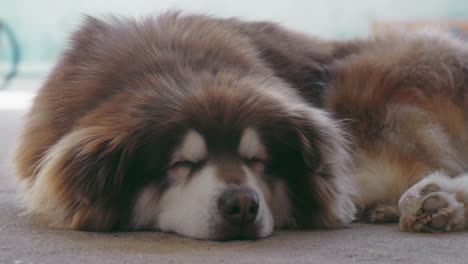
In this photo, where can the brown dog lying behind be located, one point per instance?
(177, 123)
(404, 96)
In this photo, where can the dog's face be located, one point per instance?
(216, 189)
(238, 169)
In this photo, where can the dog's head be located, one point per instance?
(233, 160)
(215, 154)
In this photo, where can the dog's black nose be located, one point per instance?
(239, 207)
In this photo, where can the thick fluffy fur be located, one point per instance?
(145, 124)
(99, 150)
(405, 98)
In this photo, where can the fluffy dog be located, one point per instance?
(221, 129)
(185, 124)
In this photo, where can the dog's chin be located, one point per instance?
(224, 231)
(228, 232)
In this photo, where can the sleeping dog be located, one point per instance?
(177, 123)
(223, 129)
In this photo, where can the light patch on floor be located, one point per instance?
(15, 100)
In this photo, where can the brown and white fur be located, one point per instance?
(159, 123)
(149, 124)
(405, 96)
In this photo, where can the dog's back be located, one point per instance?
(404, 96)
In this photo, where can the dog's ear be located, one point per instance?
(82, 181)
(324, 186)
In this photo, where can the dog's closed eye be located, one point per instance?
(183, 168)
(255, 163)
(184, 163)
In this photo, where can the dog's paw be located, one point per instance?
(431, 206)
(438, 212)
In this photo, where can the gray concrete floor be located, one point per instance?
(24, 241)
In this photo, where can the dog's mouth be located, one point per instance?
(217, 195)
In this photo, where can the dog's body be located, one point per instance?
(405, 95)
(177, 123)
(404, 98)
(210, 128)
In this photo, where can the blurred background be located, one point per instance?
(32, 33)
